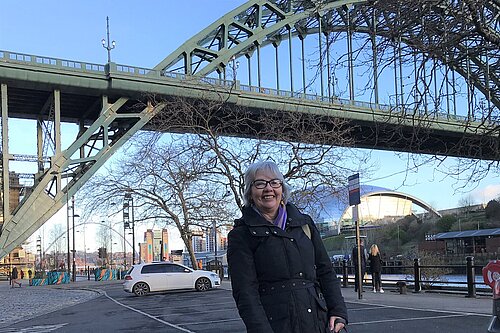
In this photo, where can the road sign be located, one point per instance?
(491, 273)
(354, 195)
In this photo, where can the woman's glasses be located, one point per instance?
(260, 184)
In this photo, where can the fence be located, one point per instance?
(415, 279)
(50, 278)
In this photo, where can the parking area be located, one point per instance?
(215, 311)
(190, 311)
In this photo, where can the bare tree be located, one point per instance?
(466, 203)
(172, 184)
(313, 150)
(193, 179)
(441, 57)
(57, 243)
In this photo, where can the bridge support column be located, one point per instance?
(5, 152)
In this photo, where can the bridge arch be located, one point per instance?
(259, 23)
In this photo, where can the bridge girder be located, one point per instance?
(75, 165)
(469, 51)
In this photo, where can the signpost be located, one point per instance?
(355, 200)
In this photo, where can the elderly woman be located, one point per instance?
(281, 275)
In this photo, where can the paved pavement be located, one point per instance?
(23, 303)
(448, 302)
(29, 301)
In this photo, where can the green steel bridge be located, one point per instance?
(438, 63)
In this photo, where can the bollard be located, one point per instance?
(471, 278)
(416, 272)
(345, 276)
(401, 287)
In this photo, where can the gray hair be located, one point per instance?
(250, 177)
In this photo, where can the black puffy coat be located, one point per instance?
(282, 281)
(375, 263)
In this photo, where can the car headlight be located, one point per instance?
(214, 276)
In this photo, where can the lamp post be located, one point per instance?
(215, 240)
(124, 246)
(110, 241)
(106, 43)
(133, 229)
(110, 246)
(73, 278)
(235, 65)
(84, 250)
(68, 267)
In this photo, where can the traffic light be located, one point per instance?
(39, 244)
(102, 252)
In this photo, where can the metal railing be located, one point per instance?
(415, 280)
(51, 62)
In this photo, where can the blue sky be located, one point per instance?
(145, 33)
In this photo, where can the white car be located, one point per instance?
(144, 278)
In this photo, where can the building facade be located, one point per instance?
(155, 246)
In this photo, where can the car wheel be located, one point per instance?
(203, 284)
(140, 288)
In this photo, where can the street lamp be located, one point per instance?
(235, 65)
(68, 267)
(215, 240)
(84, 251)
(73, 278)
(110, 246)
(106, 43)
(110, 259)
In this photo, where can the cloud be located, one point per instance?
(485, 194)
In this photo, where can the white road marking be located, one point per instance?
(211, 322)
(148, 315)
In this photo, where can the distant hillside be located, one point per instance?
(403, 236)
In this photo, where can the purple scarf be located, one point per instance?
(280, 220)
